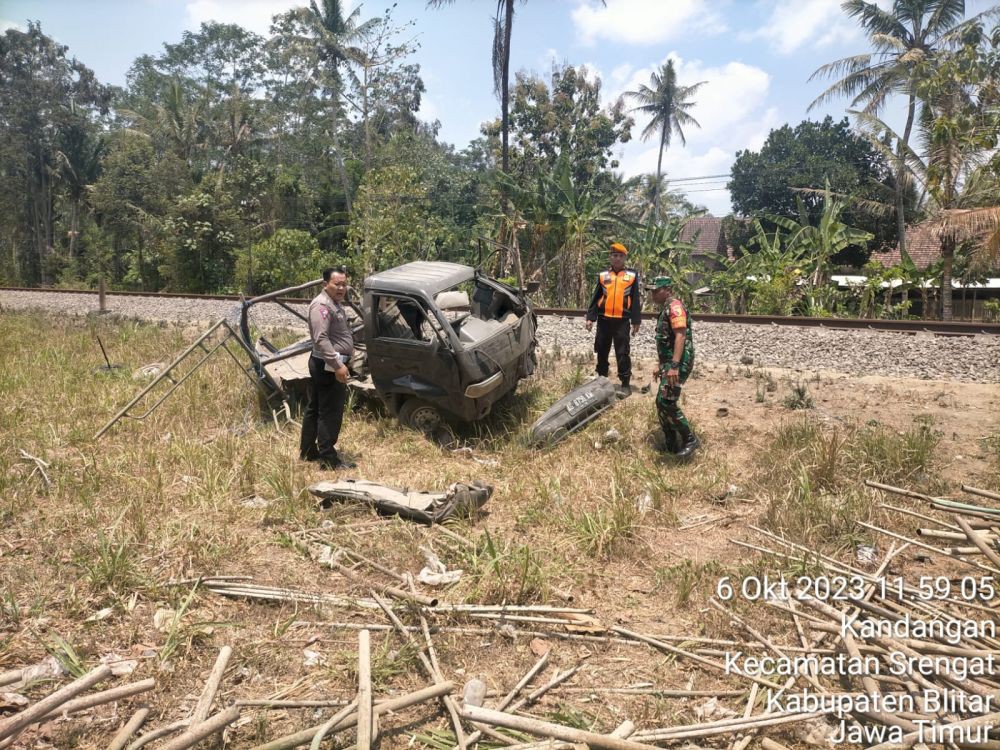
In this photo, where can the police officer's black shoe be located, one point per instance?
(624, 390)
(690, 446)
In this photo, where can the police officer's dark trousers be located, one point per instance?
(324, 413)
(614, 331)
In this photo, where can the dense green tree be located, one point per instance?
(325, 41)
(286, 258)
(667, 104)
(393, 220)
(132, 198)
(809, 156)
(47, 100)
(563, 119)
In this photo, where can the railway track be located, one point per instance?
(936, 327)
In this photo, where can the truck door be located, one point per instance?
(409, 353)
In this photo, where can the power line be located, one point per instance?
(702, 177)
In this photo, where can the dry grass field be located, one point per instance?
(91, 550)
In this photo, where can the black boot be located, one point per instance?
(690, 446)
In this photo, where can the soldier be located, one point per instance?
(333, 346)
(675, 350)
(615, 305)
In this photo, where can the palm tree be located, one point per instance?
(910, 33)
(668, 105)
(322, 33)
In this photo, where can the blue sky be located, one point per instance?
(756, 56)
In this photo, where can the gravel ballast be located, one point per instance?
(973, 359)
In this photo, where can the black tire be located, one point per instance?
(420, 415)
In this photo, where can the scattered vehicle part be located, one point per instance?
(573, 411)
(459, 500)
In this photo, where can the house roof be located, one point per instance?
(705, 233)
(922, 245)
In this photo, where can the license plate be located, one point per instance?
(580, 402)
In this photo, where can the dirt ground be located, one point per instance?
(223, 503)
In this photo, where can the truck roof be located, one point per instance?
(428, 277)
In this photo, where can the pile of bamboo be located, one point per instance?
(855, 624)
(950, 674)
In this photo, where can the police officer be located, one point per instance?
(333, 346)
(675, 351)
(616, 306)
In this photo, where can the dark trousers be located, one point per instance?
(615, 331)
(324, 413)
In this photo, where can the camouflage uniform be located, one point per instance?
(675, 426)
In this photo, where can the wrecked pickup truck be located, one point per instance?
(434, 340)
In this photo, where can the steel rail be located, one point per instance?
(937, 327)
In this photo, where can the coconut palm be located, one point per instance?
(667, 104)
(908, 34)
(960, 194)
(322, 34)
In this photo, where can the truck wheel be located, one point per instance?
(420, 415)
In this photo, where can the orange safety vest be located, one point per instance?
(615, 300)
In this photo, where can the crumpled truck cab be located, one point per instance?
(443, 339)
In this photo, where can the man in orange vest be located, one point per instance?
(617, 309)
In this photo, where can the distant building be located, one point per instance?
(708, 237)
(922, 245)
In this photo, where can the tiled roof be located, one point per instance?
(705, 232)
(922, 245)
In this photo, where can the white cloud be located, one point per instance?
(793, 24)
(620, 74)
(644, 21)
(5, 24)
(254, 15)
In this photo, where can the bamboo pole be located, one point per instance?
(198, 732)
(393, 704)
(977, 538)
(911, 738)
(282, 704)
(899, 491)
(537, 667)
(429, 667)
(547, 729)
(982, 493)
(155, 734)
(725, 726)
(204, 705)
(325, 728)
(950, 536)
(694, 657)
(131, 727)
(365, 710)
(16, 723)
(9, 678)
(658, 692)
(392, 591)
(99, 699)
(972, 508)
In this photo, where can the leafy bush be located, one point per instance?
(287, 258)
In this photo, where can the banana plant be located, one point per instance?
(816, 246)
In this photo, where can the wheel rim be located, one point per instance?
(425, 419)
